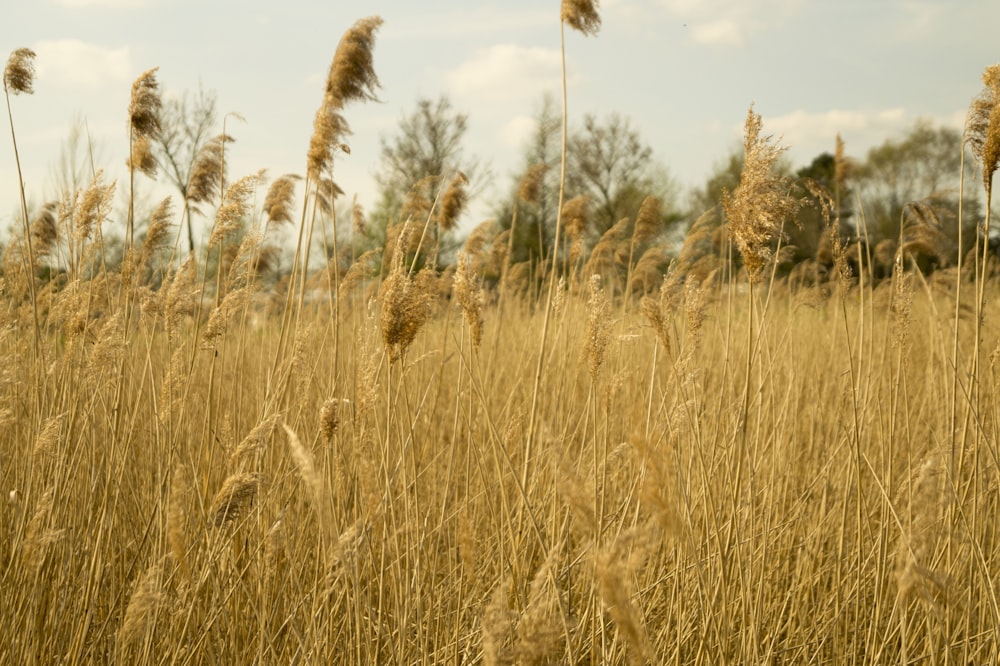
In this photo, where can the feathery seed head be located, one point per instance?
(92, 207)
(649, 221)
(352, 73)
(208, 170)
(330, 128)
(406, 306)
(581, 15)
(598, 327)
(530, 188)
(142, 159)
(452, 202)
(761, 202)
(235, 206)
(278, 202)
(983, 125)
(44, 230)
(19, 75)
(233, 498)
(470, 297)
(329, 418)
(144, 107)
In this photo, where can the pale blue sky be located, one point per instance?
(683, 71)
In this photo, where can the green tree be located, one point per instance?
(534, 189)
(611, 164)
(419, 162)
(923, 165)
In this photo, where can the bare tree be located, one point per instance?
(185, 127)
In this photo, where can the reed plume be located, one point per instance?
(234, 497)
(598, 327)
(352, 73)
(581, 15)
(453, 202)
(19, 74)
(208, 171)
(470, 297)
(983, 126)
(529, 190)
(144, 106)
(761, 202)
(278, 202)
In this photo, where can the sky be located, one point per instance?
(683, 72)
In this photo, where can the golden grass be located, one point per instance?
(711, 474)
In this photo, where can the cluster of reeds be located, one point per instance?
(623, 466)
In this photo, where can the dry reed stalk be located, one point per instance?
(218, 321)
(361, 270)
(147, 602)
(143, 125)
(39, 535)
(495, 627)
(453, 202)
(234, 497)
(178, 525)
(599, 323)
(616, 566)
(406, 304)
(329, 419)
(208, 171)
(92, 207)
(157, 233)
(279, 198)
(918, 548)
(610, 251)
(659, 312)
(47, 440)
(306, 466)
(983, 126)
(575, 219)
(44, 230)
(540, 627)
(254, 442)
(235, 207)
(581, 15)
(19, 74)
(761, 202)
(471, 298)
(142, 159)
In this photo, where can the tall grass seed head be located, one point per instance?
(19, 74)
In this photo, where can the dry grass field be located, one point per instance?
(421, 470)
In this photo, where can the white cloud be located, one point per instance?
(725, 32)
(507, 73)
(77, 64)
(808, 134)
(518, 130)
(729, 23)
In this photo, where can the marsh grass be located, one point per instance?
(710, 474)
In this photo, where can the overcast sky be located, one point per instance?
(683, 71)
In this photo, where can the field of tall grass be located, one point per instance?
(396, 464)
